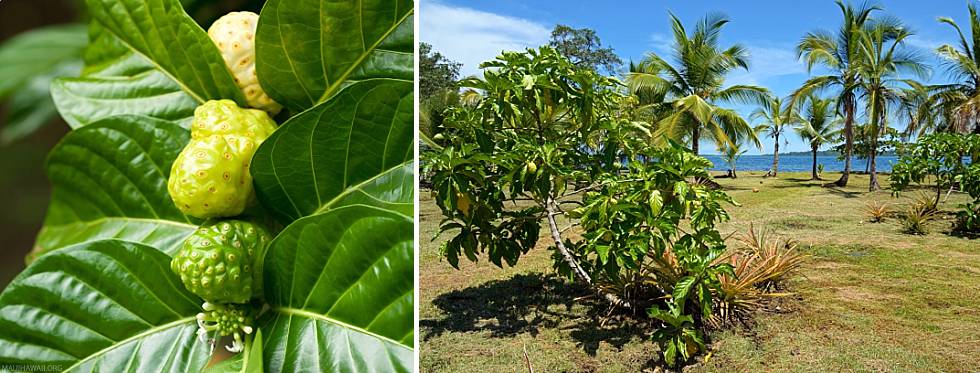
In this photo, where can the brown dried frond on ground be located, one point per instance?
(917, 216)
(876, 211)
(760, 265)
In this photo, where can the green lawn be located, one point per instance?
(869, 299)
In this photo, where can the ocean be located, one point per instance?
(800, 163)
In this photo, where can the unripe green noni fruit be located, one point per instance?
(219, 320)
(210, 177)
(220, 262)
(531, 167)
(234, 35)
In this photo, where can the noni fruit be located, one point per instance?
(221, 262)
(464, 203)
(210, 177)
(234, 34)
(531, 167)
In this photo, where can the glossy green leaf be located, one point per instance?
(162, 32)
(356, 147)
(38, 52)
(340, 285)
(392, 190)
(110, 181)
(106, 306)
(308, 50)
(30, 107)
(28, 64)
(118, 80)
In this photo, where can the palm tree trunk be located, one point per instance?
(975, 156)
(775, 158)
(873, 185)
(848, 141)
(695, 138)
(813, 174)
(874, 176)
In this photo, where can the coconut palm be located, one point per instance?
(819, 124)
(776, 115)
(882, 63)
(838, 52)
(918, 109)
(731, 153)
(959, 101)
(688, 90)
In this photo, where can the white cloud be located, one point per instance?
(661, 43)
(471, 36)
(766, 62)
(924, 44)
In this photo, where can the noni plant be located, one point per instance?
(551, 144)
(948, 160)
(251, 188)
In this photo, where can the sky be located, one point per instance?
(474, 31)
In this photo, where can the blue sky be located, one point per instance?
(474, 31)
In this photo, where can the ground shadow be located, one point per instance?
(803, 180)
(844, 193)
(795, 186)
(731, 188)
(527, 303)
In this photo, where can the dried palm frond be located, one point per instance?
(876, 211)
(916, 218)
(759, 267)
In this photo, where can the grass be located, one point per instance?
(869, 298)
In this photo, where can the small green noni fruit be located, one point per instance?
(234, 35)
(219, 262)
(210, 177)
(219, 320)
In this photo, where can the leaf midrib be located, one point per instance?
(155, 64)
(133, 338)
(314, 315)
(356, 188)
(108, 218)
(343, 77)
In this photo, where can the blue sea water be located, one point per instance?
(797, 163)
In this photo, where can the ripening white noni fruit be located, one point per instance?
(234, 34)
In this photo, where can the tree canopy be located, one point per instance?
(583, 48)
(436, 72)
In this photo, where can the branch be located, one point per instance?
(951, 187)
(527, 360)
(593, 186)
(570, 226)
(570, 259)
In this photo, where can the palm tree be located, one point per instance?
(776, 115)
(686, 92)
(731, 153)
(819, 124)
(917, 108)
(839, 53)
(959, 102)
(881, 65)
